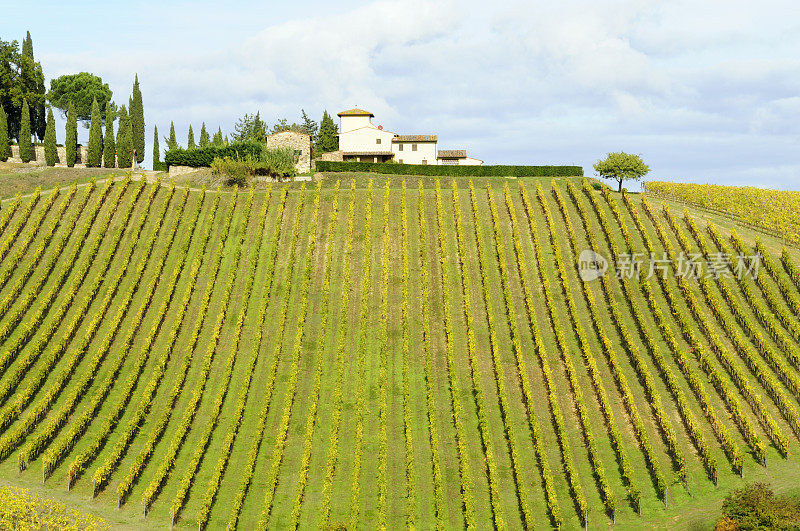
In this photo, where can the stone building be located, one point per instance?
(299, 142)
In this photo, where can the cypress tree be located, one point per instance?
(71, 142)
(124, 146)
(123, 115)
(156, 151)
(50, 149)
(203, 136)
(25, 147)
(172, 141)
(328, 140)
(5, 150)
(95, 154)
(190, 144)
(218, 137)
(136, 112)
(109, 145)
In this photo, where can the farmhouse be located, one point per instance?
(361, 140)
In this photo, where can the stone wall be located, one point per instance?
(299, 142)
(332, 156)
(38, 159)
(174, 171)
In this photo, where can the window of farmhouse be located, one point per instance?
(400, 160)
(400, 147)
(377, 140)
(298, 152)
(450, 162)
(413, 147)
(424, 161)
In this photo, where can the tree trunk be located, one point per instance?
(620, 186)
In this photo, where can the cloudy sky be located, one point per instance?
(706, 91)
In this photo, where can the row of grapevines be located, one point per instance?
(182, 429)
(383, 375)
(583, 342)
(455, 391)
(544, 364)
(68, 263)
(637, 361)
(790, 295)
(716, 346)
(21, 220)
(336, 417)
(729, 446)
(361, 363)
(785, 406)
(56, 421)
(294, 370)
(6, 214)
(667, 375)
(12, 297)
(32, 232)
(430, 403)
(611, 357)
(723, 353)
(227, 445)
(155, 434)
(791, 267)
(127, 434)
(777, 312)
(311, 417)
(13, 409)
(477, 387)
(555, 410)
(109, 421)
(410, 475)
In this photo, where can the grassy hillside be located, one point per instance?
(374, 354)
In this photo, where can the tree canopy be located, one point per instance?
(621, 167)
(81, 89)
(327, 139)
(249, 127)
(21, 79)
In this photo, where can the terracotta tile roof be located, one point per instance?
(356, 112)
(357, 153)
(414, 138)
(452, 154)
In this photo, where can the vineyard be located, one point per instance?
(392, 353)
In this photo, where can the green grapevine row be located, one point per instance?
(383, 375)
(6, 214)
(790, 295)
(22, 219)
(791, 267)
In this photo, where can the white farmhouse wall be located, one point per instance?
(425, 151)
(350, 123)
(364, 139)
(469, 161)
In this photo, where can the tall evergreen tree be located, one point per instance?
(109, 145)
(310, 127)
(95, 153)
(204, 141)
(5, 150)
(71, 142)
(124, 144)
(50, 149)
(25, 148)
(136, 113)
(218, 137)
(33, 78)
(190, 143)
(156, 150)
(122, 113)
(328, 141)
(172, 141)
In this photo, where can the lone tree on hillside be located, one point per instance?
(621, 167)
(81, 90)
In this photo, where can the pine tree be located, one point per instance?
(172, 141)
(25, 147)
(156, 151)
(5, 150)
(95, 155)
(109, 145)
(203, 136)
(71, 142)
(310, 127)
(328, 141)
(136, 112)
(124, 144)
(50, 149)
(190, 143)
(218, 137)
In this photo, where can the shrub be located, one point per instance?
(433, 170)
(276, 163)
(200, 157)
(755, 506)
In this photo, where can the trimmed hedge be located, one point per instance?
(160, 166)
(472, 171)
(200, 157)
